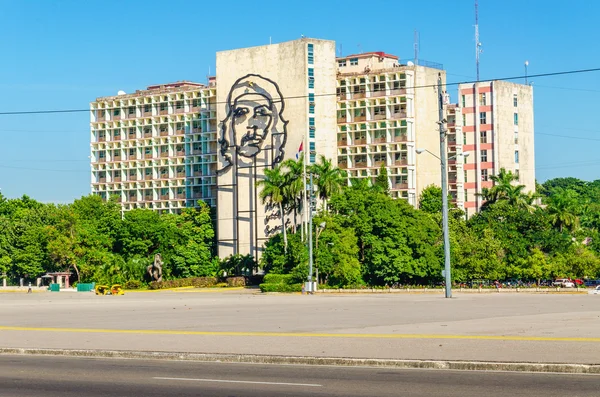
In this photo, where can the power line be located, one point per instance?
(562, 73)
(569, 137)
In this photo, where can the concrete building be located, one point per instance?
(155, 148)
(498, 130)
(272, 99)
(385, 111)
(170, 146)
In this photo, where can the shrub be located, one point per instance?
(237, 281)
(269, 287)
(198, 282)
(220, 285)
(133, 284)
(273, 278)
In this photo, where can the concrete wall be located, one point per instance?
(285, 65)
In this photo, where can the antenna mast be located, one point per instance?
(477, 43)
(416, 46)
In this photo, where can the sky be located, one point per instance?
(64, 54)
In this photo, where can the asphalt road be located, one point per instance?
(32, 376)
(490, 327)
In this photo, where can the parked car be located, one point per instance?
(563, 282)
(595, 291)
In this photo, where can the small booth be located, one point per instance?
(59, 278)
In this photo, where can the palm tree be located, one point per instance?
(330, 179)
(504, 189)
(273, 192)
(562, 208)
(294, 188)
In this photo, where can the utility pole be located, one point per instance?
(444, 167)
(310, 235)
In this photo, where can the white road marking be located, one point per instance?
(240, 381)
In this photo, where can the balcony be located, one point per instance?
(116, 158)
(180, 110)
(398, 91)
(180, 196)
(164, 175)
(164, 197)
(148, 177)
(132, 178)
(180, 153)
(117, 138)
(147, 134)
(164, 133)
(180, 175)
(102, 160)
(400, 186)
(180, 131)
(343, 165)
(359, 118)
(358, 95)
(101, 139)
(101, 117)
(401, 162)
(359, 141)
(399, 115)
(163, 111)
(132, 199)
(379, 163)
(131, 115)
(401, 138)
(375, 94)
(102, 180)
(379, 117)
(343, 142)
(147, 113)
(164, 154)
(362, 164)
(148, 198)
(148, 155)
(342, 120)
(117, 117)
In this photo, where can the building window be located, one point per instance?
(311, 103)
(342, 63)
(353, 61)
(464, 139)
(516, 137)
(312, 147)
(131, 110)
(484, 175)
(482, 118)
(516, 157)
(517, 175)
(311, 54)
(466, 179)
(515, 100)
(464, 117)
(464, 101)
(483, 136)
(484, 157)
(311, 82)
(482, 99)
(516, 118)
(146, 108)
(116, 112)
(311, 72)
(179, 105)
(466, 195)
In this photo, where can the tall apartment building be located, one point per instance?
(155, 148)
(385, 111)
(498, 131)
(170, 146)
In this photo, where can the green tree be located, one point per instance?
(382, 181)
(431, 200)
(329, 179)
(294, 186)
(273, 193)
(563, 208)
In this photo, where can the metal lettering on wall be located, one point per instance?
(252, 137)
(254, 121)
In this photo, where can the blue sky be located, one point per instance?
(64, 54)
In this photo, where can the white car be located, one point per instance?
(563, 282)
(595, 291)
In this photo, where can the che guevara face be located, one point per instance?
(252, 119)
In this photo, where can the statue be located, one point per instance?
(155, 270)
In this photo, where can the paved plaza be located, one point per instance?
(557, 328)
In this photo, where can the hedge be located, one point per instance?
(273, 278)
(279, 287)
(198, 282)
(237, 281)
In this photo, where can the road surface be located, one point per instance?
(32, 376)
(491, 327)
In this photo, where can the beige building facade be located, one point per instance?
(171, 146)
(498, 132)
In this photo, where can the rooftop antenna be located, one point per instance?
(416, 45)
(477, 43)
(526, 64)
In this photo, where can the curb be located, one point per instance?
(298, 360)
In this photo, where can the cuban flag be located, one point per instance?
(300, 150)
